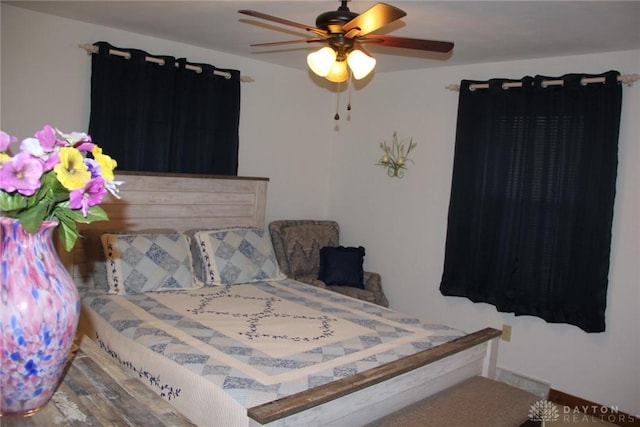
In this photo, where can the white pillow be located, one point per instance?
(142, 262)
(237, 255)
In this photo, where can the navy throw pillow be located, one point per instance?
(342, 266)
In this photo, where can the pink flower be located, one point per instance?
(90, 195)
(6, 140)
(84, 146)
(47, 138)
(66, 171)
(78, 140)
(22, 174)
(53, 160)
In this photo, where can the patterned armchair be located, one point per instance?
(297, 245)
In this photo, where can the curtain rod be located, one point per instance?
(89, 48)
(627, 79)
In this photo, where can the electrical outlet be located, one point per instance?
(506, 333)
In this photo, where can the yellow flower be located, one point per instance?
(71, 171)
(107, 164)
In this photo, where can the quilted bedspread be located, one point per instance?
(255, 342)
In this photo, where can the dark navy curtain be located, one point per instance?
(207, 120)
(162, 118)
(531, 207)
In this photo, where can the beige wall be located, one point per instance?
(320, 168)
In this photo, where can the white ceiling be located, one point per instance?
(483, 31)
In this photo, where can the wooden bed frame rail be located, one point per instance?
(443, 366)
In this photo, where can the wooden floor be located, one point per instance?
(98, 392)
(577, 410)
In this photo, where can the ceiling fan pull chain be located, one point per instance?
(350, 86)
(337, 116)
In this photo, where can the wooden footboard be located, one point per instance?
(370, 395)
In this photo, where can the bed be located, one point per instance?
(263, 352)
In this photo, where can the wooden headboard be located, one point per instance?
(151, 201)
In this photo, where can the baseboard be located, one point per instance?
(594, 410)
(532, 385)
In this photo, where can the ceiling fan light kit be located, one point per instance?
(324, 63)
(360, 64)
(321, 60)
(345, 33)
(338, 72)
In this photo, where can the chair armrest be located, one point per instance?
(310, 280)
(373, 283)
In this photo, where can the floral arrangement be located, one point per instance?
(52, 178)
(395, 157)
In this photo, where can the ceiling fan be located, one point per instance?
(345, 33)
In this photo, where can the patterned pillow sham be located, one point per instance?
(199, 268)
(237, 255)
(140, 262)
(199, 265)
(99, 276)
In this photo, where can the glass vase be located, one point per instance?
(40, 308)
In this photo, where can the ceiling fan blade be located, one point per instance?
(282, 21)
(407, 43)
(373, 18)
(318, 39)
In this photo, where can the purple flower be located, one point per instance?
(90, 195)
(22, 173)
(94, 168)
(6, 140)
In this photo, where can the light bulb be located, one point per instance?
(360, 63)
(321, 60)
(338, 72)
